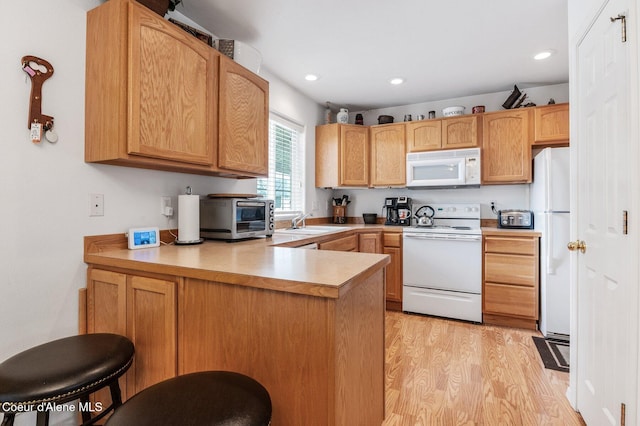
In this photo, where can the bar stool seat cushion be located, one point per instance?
(64, 369)
(198, 399)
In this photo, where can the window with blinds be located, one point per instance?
(285, 184)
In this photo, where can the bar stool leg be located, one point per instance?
(42, 418)
(86, 415)
(116, 395)
(7, 420)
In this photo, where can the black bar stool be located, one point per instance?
(198, 399)
(62, 371)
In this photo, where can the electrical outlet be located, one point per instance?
(96, 204)
(165, 206)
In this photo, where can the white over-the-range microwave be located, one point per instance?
(444, 169)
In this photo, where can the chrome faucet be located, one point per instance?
(296, 221)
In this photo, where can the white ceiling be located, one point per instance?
(443, 49)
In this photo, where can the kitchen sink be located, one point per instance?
(312, 230)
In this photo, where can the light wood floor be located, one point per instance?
(444, 372)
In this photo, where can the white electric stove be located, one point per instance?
(442, 264)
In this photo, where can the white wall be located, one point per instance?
(290, 103)
(44, 188)
(491, 101)
(505, 196)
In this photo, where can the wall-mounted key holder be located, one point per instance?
(39, 71)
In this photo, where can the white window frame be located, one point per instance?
(298, 166)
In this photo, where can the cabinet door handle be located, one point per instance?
(577, 245)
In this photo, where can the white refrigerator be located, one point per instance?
(550, 205)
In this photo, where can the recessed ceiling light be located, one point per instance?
(543, 55)
(397, 80)
(311, 77)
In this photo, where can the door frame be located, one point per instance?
(633, 32)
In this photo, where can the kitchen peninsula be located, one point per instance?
(307, 324)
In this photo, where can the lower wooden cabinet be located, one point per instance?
(370, 242)
(151, 326)
(348, 243)
(375, 242)
(392, 245)
(510, 291)
(321, 356)
(143, 309)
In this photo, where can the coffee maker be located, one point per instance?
(398, 211)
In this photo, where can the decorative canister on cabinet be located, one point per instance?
(343, 116)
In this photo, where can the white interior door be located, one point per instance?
(606, 274)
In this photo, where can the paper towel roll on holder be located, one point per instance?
(188, 219)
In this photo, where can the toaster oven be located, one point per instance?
(236, 218)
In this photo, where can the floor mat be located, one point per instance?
(554, 353)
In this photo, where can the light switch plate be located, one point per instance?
(96, 204)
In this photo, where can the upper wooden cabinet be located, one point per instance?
(152, 97)
(388, 155)
(461, 132)
(243, 143)
(551, 125)
(445, 133)
(506, 146)
(424, 135)
(342, 155)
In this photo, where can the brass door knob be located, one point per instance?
(577, 245)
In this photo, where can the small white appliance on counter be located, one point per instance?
(550, 205)
(442, 263)
(443, 169)
(143, 237)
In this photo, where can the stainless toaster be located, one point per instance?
(518, 219)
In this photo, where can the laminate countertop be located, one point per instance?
(269, 263)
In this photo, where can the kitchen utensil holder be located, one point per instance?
(339, 214)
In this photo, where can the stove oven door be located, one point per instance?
(442, 275)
